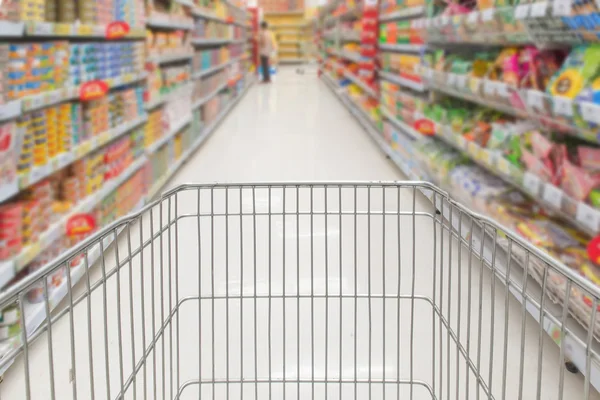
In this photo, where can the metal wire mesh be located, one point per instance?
(299, 291)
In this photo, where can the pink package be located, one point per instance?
(577, 182)
(537, 166)
(541, 145)
(589, 158)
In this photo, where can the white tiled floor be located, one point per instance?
(293, 130)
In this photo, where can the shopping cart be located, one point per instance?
(299, 291)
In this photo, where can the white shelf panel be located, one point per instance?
(417, 86)
(166, 23)
(405, 13)
(406, 48)
(209, 96)
(280, 13)
(200, 74)
(209, 42)
(168, 58)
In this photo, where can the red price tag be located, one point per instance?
(117, 30)
(92, 90)
(80, 224)
(593, 249)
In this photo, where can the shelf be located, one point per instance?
(286, 26)
(546, 111)
(298, 13)
(290, 33)
(35, 313)
(169, 135)
(210, 42)
(14, 109)
(165, 98)
(166, 23)
(37, 29)
(290, 51)
(209, 96)
(406, 48)
(552, 198)
(405, 13)
(575, 336)
(12, 29)
(169, 58)
(348, 55)
(9, 268)
(363, 85)
(200, 74)
(291, 42)
(292, 60)
(201, 12)
(394, 78)
(77, 152)
(407, 129)
(348, 14)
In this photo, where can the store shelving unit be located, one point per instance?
(237, 79)
(289, 28)
(539, 23)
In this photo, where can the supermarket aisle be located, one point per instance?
(294, 129)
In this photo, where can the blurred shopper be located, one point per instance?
(267, 46)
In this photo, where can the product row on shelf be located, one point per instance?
(500, 106)
(94, 121)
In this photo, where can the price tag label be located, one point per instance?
(502, 89)
(451, 79)
(445, 20)
(503, 166)
(429, 73)
(539, 9)
(460, 140)
(37, 174)
(489, 87)
(590, 112)
(588, 216)
(522, 11)
(562, 106)
(553, 195)
(531, 183)
(485, 156)
(535, 99)
(10, 110)
(561, 8)
(461, 81)
(42, 28)
(473, 17)
(488, 15)
(83, 149)
(473, 149)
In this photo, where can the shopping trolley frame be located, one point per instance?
(449, 211)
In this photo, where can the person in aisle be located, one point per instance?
(267, 46)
